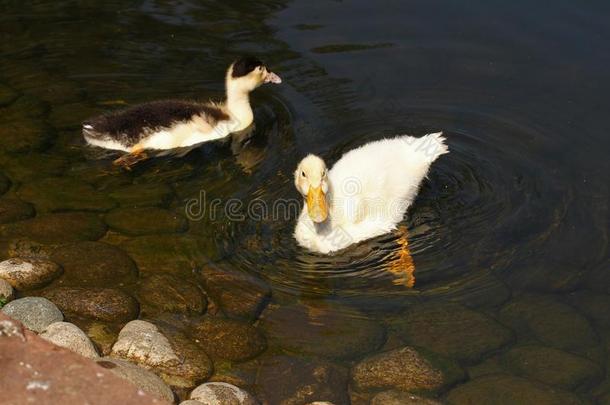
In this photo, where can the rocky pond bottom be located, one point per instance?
(220, 333)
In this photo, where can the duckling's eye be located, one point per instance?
(303, 174)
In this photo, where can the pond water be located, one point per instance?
(509, 234)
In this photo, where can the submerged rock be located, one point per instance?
(64, 194)
(29, 249)
(508, 390)
(595, 305)
(228, 339)
(292, 381)
(239, 295)
(103, 304)
(36, 313)
(68, 335)
(13, 210)
(146, 220)
(7, 95)
(452, 330)
(56, 228)
(6, 292)
(143, 195)
(5, 184)
(216, 393)
(103, 335)
(177, 362)
(24, 168)
(141, 378)
(25, 274)
(333, 331)
(401, 398)
(94, 264)
(553, 367)
(25, 135)
(162, 293)
(405, 369)
(549, 321)
(169, 254)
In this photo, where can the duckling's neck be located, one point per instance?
(238, 104)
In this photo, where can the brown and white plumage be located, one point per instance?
(170, 124)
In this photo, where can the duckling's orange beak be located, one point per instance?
(272, 78)
(317, 208)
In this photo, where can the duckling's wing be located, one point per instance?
(129, 126)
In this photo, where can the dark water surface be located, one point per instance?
(516, 214)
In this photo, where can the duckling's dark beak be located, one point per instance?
(272, 78)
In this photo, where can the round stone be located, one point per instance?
(553, 367)
(228, 339)
(25, 274)
(146, 220)
(290, 380)
(6, 292)
(94, 264)
(162, 293)
(103, 304)
(24, 136)
(12, 210)
(36, 313)
(452, 330)
(143, 195)
(508, 390)
(64, 194)
(401, 398)
(405, 369)
(553, 323)
(68, 335)
(56, 228)
(333, 332)
(213, 393)
(141, 378)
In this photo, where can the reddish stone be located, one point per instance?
(36, 371)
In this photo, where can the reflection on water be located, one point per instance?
(518, 207)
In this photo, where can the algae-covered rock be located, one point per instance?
(94, 263)
(552, 367)
(145, 220)
(239, 295)
(405, 369)
(550, 322)
(394, 397)
(13, 210)
(452, 330)
(142, 195)
(25, 136)
(5, 184)
(163, 293)
(103, 304)
(293, 381)
(170, 254)
(64, 194)
(56, 228)
(7, 95)
(228, 339)
(333, 332)
(508, 390)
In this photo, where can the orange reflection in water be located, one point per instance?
(402, 265)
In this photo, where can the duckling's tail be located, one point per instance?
(430, 146)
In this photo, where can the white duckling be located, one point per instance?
(173, 124)
(365, 194)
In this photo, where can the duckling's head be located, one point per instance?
(247, 73)
(311, 179)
